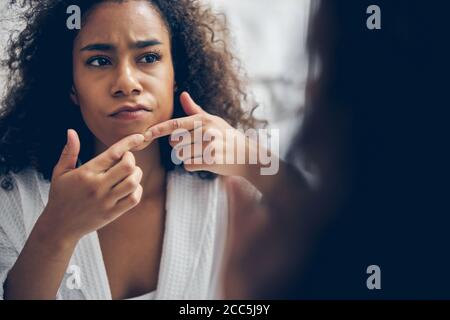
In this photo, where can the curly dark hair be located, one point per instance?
(203, 63)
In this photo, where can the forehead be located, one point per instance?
(127, 21)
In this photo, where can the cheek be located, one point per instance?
(165, 100)
(92, 120)
(167, 108)
(89, 102)
(88, 91)
(90, 86)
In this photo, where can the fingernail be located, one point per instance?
(67, 139)
(148, 135)
(141, 138)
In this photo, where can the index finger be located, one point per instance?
(113, 154)
(168, 127)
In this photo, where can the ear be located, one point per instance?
(74, 96)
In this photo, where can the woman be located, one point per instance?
(118, 219)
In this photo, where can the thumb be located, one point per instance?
(69, 155)
(188, 104)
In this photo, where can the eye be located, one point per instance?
(99, 61)
(151, 58)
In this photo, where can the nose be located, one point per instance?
(126, 82)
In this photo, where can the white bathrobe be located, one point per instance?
(193, 246)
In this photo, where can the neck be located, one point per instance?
(148, 159)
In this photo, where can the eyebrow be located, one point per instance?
(111, 47)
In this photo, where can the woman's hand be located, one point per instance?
(81, 200)
(204, 142)
(84, 199)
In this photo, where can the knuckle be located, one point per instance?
(206, 119)
(85, 177)
(92, 186)
(128, 167)
(175, 124)
(156, 131)
(131, 183)
(139, 173)
(115, 154)
(93, 191)
(130, 155)
(135, 197)
(135, 183)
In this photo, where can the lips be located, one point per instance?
(130, 108)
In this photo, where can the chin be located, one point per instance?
(122, 132)
(143, 146)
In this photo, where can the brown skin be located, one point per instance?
(96, 196)
(93, 196)
(128, 76)
(197, 46)
(81, 200)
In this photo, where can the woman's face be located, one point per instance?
(122, 57)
